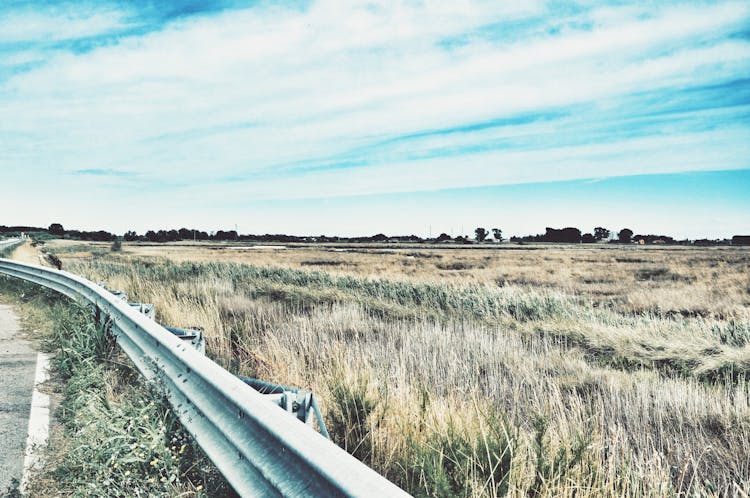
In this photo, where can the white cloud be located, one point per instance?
(56, 23)
(246, 91)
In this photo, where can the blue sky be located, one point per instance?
(356, 118)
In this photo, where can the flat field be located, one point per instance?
(539, 370)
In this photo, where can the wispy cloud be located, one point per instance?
(34, 25)
(330, 98)
(102, 172)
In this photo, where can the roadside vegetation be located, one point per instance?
(114, 436)
(477, 387)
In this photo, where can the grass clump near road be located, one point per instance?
(477, 390)
(117, 436)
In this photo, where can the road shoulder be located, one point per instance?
(18, 358)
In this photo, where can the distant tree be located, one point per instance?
(498, 234)
(56, 229)
(228, 235)
(570, 234)
(99, 236)
(480, 234)
(587, 238)
(381, 237)
(443, 237)
(653, 239)
(130, 236)
(151, 236)
(601, 233)
(625, 235)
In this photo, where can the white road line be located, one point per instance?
(38, 423)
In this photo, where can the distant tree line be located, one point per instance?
(567, 235)
(624, 236)
(231, 235)
(57, 230)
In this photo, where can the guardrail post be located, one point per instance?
(147, 309)
(300, 402)
(120, 294)
(193, 336)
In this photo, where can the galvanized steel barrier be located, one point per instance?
(8, 243)
(261, 450)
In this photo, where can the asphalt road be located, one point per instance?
(17, 367)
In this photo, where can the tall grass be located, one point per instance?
(474, 390)
(670, 344)
(665, 281)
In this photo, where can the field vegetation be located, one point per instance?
(688, 281)
(524, 371)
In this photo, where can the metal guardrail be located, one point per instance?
(8, 243)
(260, 450)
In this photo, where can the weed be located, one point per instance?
(733, 333)
(460, 462)
(456, 265)
(54, 260)
(12, 491)
(549, 471)
(352, 415)
(323, 262)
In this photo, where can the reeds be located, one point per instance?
(474, 389)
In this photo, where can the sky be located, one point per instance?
(349, 118)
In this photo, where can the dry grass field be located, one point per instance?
(513, 371)
(688, 281)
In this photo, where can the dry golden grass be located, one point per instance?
(708, 282)
(555, 371)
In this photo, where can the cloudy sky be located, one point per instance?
(396, 117)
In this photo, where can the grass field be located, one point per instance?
(521, 371)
